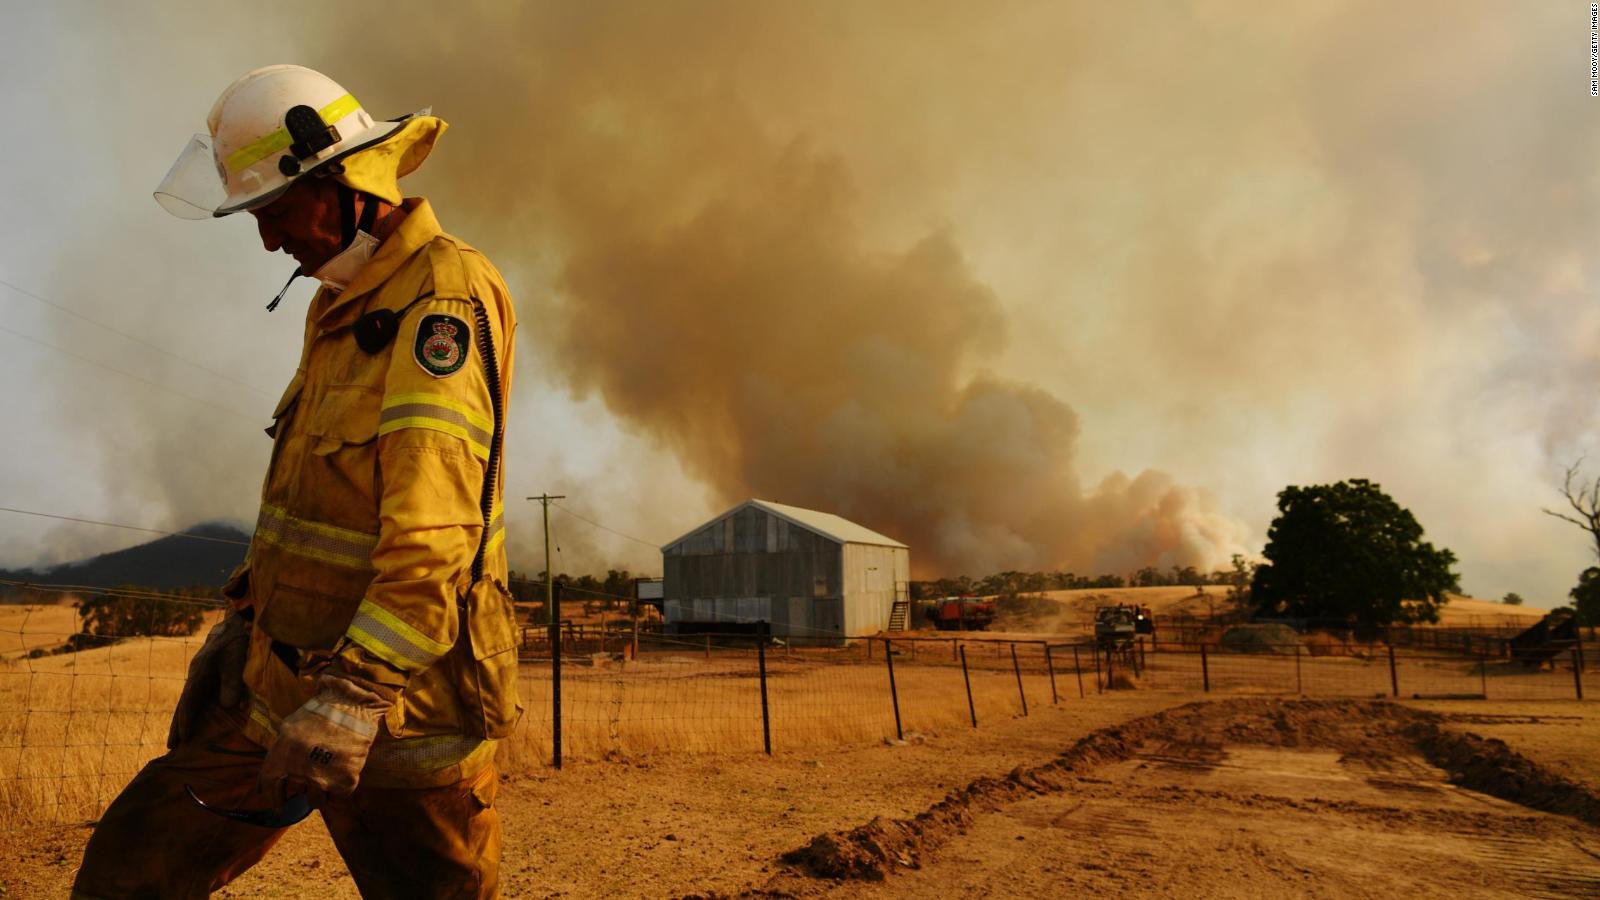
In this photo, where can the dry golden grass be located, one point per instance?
(74, 727)
(1079, 606)
(1470, 612)
(680, 703)
(27, 626)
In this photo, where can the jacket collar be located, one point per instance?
(417, 230)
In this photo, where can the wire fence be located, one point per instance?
(75, 726)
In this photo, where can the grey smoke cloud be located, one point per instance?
(943, 272)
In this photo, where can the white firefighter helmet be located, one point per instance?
(270, 127)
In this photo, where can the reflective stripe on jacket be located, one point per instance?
(370, 516)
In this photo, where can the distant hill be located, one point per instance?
(199, 559)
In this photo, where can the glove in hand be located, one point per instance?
(322, 746)
(216, 677)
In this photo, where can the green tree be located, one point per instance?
(1238, 579)
(1348, 551)
(1586, 598)
(1512, 599)
(131, 611)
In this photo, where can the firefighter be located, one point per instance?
(366, 665)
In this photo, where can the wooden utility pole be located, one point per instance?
(554, 616)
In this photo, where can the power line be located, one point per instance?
(136, 339)
(94, 362)
(114, 592)
(195, 537)
(651, 545)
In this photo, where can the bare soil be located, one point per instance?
(1297, 778)
(1128, 794)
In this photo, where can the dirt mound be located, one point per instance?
(1489, 766)
(1364, 730)
(1261, 639)
(872, 850)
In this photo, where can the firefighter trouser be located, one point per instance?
(155, 842)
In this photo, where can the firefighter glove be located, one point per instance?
(216, 677)
(322, 746)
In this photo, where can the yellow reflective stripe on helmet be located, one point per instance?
(389, 638)
(268, 144)
(437, 413)
(315, 540)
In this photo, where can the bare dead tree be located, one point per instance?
(1584, 498)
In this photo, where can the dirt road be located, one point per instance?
(1235, 798)
(1220, 807)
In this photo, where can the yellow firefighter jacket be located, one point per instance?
(374, 509)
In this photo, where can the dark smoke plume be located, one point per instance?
(715, 283)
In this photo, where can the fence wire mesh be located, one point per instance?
(76, 726)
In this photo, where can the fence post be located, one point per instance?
(1077, 668)
(1111, 667)
(1142, 664)
(972, 710)
(1205, 670)
(1017, 667)
(555, 690)
(762, 631)
(1577, 671)
(1299, 686)
(635, 637)
(1098, 687)
(1050, 666)
(1483, 676)
(1394, 675)
(894, 694)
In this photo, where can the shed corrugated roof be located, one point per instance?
(828, 525)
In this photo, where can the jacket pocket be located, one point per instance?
(485, 658)
(311, 618)
(338, 480)
(291, 395)
(348, 414)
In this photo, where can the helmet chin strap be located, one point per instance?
(279, 299)
(349, 225)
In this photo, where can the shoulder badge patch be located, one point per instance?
(442, 344)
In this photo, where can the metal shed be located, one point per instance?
(816, 577)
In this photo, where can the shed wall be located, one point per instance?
(752, 566)
(872, 576)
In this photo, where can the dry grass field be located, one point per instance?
(1079, 606)
(24, 627)
(76, 726)
(666, 790)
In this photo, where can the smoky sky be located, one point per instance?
(1032, 286)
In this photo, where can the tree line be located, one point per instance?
(124, 611)
(1013, 583)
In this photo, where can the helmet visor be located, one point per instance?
(193, 189)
